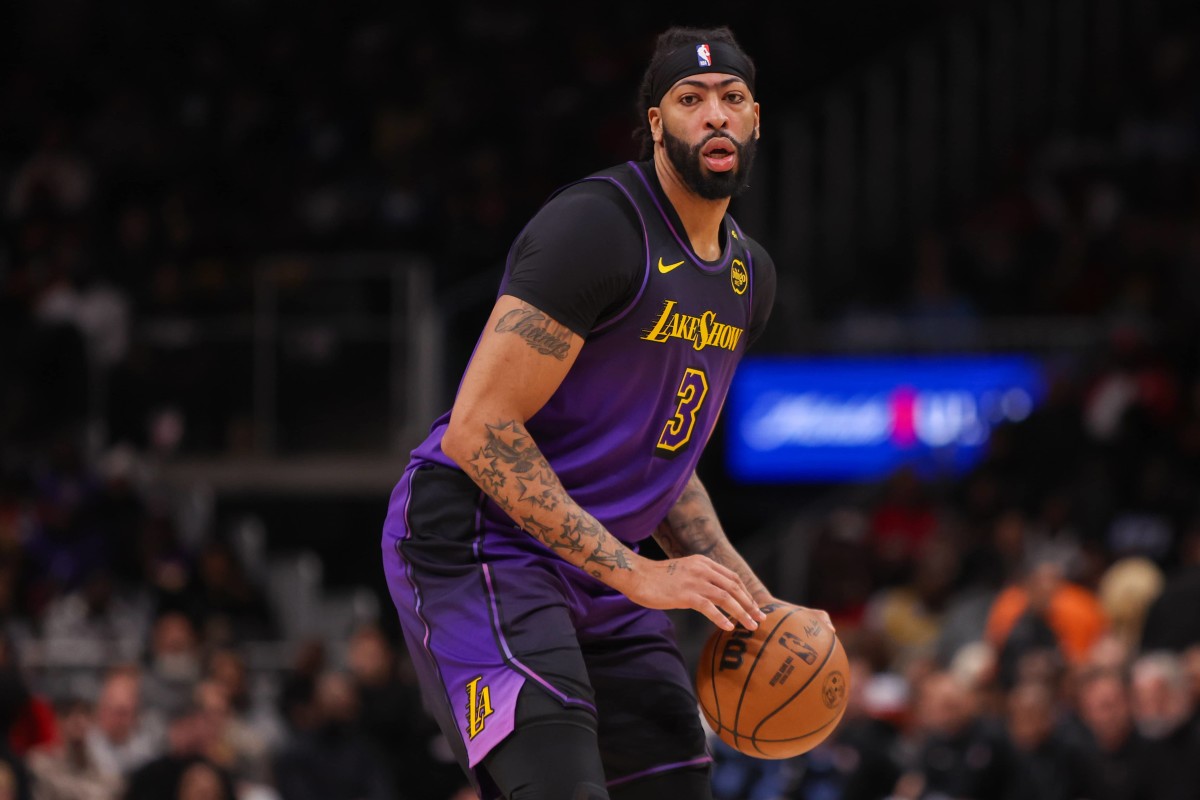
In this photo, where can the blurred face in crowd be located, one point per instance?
(1161, 700)
(227, 669)
(8, 783)
(176, 655)
(117, 708)
(200, 782)
(1191, 664)
(74, 724)
(191, 733)
(370, 658)
(1104, 709)
(213, 701)
(1109, 653)
(708, 126)
(336, 698)
(944, 705)
(1030, 715)
(1043, 582)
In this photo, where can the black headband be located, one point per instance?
(695, 59)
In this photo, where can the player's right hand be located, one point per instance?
(696, 582)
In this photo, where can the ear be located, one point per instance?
(654, 117)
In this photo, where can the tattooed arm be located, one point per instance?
(520, 361)
(692, 528)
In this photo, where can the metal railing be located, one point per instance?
(369, 315)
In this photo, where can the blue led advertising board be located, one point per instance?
(794, 419)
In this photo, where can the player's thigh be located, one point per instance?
(649, 720)
(483, 618)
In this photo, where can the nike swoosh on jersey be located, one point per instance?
(665, 268)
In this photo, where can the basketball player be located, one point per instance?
(511, 541)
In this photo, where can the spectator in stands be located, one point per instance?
(961, 754)
(99, 618)
(235, 747)
(27, 719)
(393, 718)
(332, 759)
(255, 711)
(297, 691)
(1168, 766)
(123, 738)
(1050, 765)
(1111, 746)
(908, 615)
(173, 666)
(66, 542)
(1126, 590)
(866, 743)
(234, 609)
(839, 573)
(69, 770)
(201, 781)
(902, 522)
(1191, 663)
(1044, 612)
(15, 783)
(1173, 619)
(184, 769)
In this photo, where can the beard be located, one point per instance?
(687, 161)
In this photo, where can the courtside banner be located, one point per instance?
(837, 418)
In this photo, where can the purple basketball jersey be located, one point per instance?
(627, 426)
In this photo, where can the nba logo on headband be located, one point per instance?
(703, 55)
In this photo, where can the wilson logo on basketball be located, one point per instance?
(834, 690)
(735, 648)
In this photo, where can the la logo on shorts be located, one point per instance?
(479, 706)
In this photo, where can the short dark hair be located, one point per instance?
(667, 42)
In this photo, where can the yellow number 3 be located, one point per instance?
(678, 430)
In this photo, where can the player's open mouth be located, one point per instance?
(719, 155)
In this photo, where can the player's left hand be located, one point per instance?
(820, 614)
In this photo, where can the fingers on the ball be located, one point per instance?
(728, 600)
(710, 609)
(739, 594)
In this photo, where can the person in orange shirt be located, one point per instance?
(1045, 611)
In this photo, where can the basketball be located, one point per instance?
(777, 691)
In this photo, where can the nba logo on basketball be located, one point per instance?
(703, 55)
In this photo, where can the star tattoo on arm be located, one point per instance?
(511, 469)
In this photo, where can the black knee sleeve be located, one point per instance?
(552, 755)
(549, 760)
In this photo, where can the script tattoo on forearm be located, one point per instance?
(512, 470)
(539, 331)
(691, 528)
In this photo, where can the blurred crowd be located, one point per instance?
(133, 195)
(1031, 630)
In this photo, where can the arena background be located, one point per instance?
(247, 248)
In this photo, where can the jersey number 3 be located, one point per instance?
(678, 430)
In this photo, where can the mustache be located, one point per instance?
(738, 144)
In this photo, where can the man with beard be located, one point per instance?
(511, 543)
